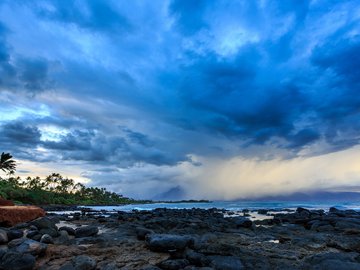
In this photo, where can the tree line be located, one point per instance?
(53, 189)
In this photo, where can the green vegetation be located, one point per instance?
(7, 164)
(54, 189)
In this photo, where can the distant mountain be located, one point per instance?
(312, 196)
(173, 194)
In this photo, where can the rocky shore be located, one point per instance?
(185, 239)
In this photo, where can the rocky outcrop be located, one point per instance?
(12, 215)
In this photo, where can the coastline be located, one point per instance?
(190, 239)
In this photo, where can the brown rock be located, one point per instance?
(12, 215)
(4, 202)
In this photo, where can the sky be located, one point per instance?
(217, 99)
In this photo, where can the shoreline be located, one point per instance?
(190, 239)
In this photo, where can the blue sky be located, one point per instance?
(145, 96)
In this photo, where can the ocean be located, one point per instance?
(234, 205)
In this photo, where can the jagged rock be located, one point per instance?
(12, 215)
(86, 231)
(17, 261)
(166, 242)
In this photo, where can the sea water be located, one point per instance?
(234, 205)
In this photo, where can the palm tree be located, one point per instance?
(7, 164)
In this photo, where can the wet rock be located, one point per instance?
(69, 230)
(86, 231)
(17, 261)
(166, 242)
(242, 222)
(3, 237)
(30, 234)
(24, 245)
(44, 223)
(50, 231)
(36, 237)
(62, 239)
(15, 234)
(141, 232)
(262, 211)
(174, 264)
(226, 262)
(47, 239)
(84, 262)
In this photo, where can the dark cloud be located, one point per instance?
(123, 151)
(18, 73)
(18, 133)
(153, 84)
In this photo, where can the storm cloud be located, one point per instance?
(118, 89)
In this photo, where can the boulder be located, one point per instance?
(86, 231)
(51, 232)
(24, 245)
(17, 261)
(47, 239)
(166, 242)
(44, 223)
(15, 234)
(12, 215)
(69, 230)
(63, 238)
(141, 232)
(4, 202)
